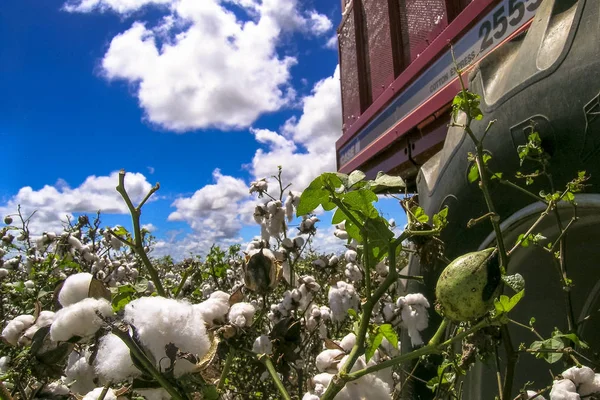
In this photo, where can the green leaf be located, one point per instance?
(473, 173)
(379, 234)
(420, 215)
(505, 304)
(312, 197)
(120, 231)
(516, 282)
(524, 240)
(353, 313)
(372, 344)
(387, 183)
(361, 200)
(573, 338)
(440, 220)
(338, 217)
(354, 177)
(390, 334)
(551, 344)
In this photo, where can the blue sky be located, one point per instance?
(201, 96)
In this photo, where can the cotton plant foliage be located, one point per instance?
(274, 313)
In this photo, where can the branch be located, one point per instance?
(138, 246)
(266, 360)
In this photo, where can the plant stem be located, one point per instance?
(367, 265)
(439, 334)
(147, 364)
(226, 368)
(138, 247)
(271, 368)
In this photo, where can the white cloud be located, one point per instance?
(119, 6)
(316, 131)
(53, 204)
(213, 209)
(149, 227)
(332, 43)
(204, 66)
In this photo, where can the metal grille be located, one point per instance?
(421, 22)
(349, 71)
(381, 60)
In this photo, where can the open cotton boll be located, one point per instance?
(75, 288)
(533, 395)
(95, 394)
(44, 319)
(262, 345)
(310, 396)
(564, 389)
(327, 360)
(415, 317)
(56, 388)
(241, 314)
(342, 297)
(4, 364)
(348, 342)
(579, 375)
(160, 321)
(16, 327)
(215, 308)
(79, 319)
(113, 361)
(590, 387)
(154, 394)
(79, 374)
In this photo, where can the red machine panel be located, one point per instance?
(379, 44)
(349, 71)
(421, 22)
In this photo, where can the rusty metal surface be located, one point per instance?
(379, 46)
(422, 21)
(349, 71)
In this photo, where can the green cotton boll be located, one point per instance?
(467, 287)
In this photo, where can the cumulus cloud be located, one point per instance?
(305, 147)
(204, 66)
(214, 208)
(53, 204)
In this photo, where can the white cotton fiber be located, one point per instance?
(15, 328)
(113, 361)
(579, 375)
(75, 288)
(241, 314)
(56, 388)
(262, 345)
(44, 319)
(533, 395)
(327, 360)
(160, 321)
(154, 394)
(590, 387)
(342, 296)
(79, 319)
(564, 389)
(215, 308)
(4, 364)
(348, 342)
(95, 394)
(79, 374)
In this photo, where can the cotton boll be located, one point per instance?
(325, 313)
(342, 296)
(310, 396)
(113, 361)
(79, 319)
(74, 242)
(75, 288)
(333, 260)
(29, 284)
(15, 328)
(215, 308)
(579, 375)
(95, 394)
(241, 314)
(328, 360)
(161, 321)
(44, 319)
(4, 364)
(319, 263)
(590, 387)
(415, 317)
(3, 273)
(262, 345)
(340, 234)
(533, 395)
(564, 389)
(79, 374)
(348, 342)
(350, 256)
(154, 394)
(56, 388)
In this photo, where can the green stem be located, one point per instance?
(439, 334)
(367, 265)
(147, 364)
(226, 368)
(271, 368)
(138, 247)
